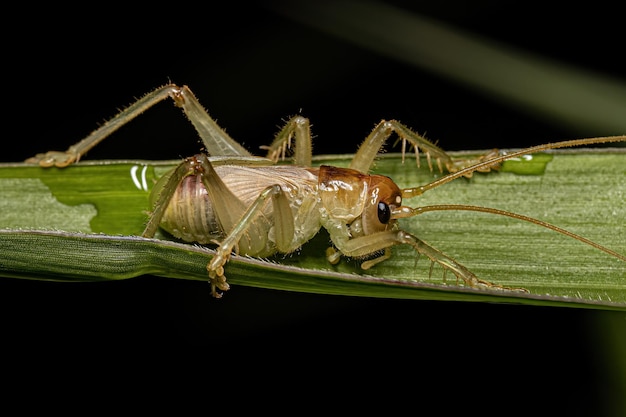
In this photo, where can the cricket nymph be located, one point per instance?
(254, 207)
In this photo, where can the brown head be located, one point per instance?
(363, 201)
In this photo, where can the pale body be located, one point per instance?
(350, 205)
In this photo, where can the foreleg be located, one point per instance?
(382, 241)
(372, 145)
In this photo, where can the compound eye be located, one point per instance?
(384, 213)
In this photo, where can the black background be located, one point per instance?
(68, 70)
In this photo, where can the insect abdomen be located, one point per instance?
(190, 215)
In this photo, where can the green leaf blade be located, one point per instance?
(582, 192)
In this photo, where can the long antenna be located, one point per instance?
(405, 211)
(413, 192)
